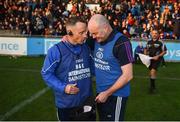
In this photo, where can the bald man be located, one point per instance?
(113, 68)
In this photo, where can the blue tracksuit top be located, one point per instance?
(107, 68)
(68, 64)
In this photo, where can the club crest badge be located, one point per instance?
(99, 55)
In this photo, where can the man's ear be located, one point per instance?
(69, 32)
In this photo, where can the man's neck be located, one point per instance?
(110, 30)
(70, 40)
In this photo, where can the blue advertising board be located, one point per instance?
(35, 46)
(40, 46)
(173, 51)
(49, 42)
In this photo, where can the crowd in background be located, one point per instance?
(131, 17)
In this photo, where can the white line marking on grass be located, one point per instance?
(23, 103)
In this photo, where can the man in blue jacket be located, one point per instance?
(67, 70)
(113, 68)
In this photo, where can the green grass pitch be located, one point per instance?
(21, 82)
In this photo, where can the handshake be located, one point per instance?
(71, 89)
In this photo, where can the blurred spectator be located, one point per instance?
(2, 11)
(138, 49)
(132, 17)
(176, 29)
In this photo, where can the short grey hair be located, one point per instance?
(100, 19)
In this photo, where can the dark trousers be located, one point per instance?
(113, 109)
(77, 113)
(63, 114)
